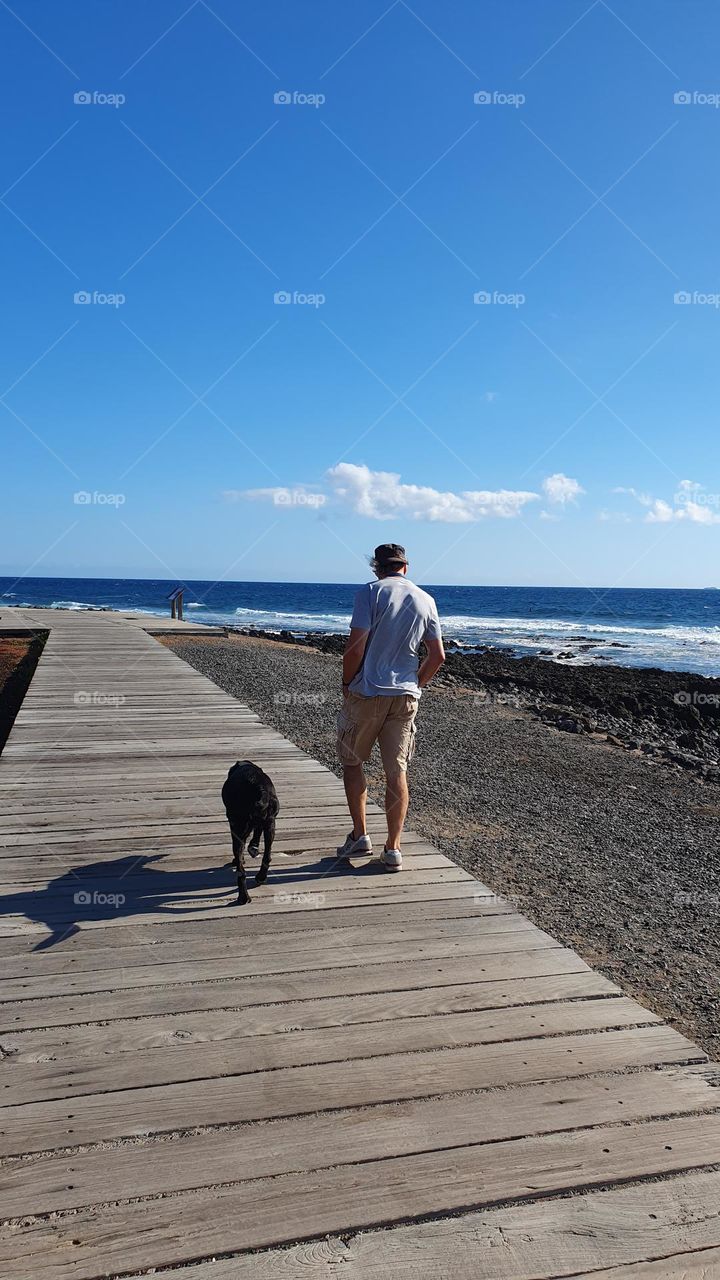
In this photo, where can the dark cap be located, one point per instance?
(390, 553)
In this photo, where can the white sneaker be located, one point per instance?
(352, 847)
(391, 859)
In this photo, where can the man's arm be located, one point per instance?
(353, 655)
(433, 662)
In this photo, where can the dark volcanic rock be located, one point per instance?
(676, 710)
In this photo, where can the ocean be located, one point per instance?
(674, 629)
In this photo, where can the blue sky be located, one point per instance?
(216, 432)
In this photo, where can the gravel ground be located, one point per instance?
(614, 855)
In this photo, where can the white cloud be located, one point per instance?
(490, 396)
(643, 498)
(691, 502)
(660, 512)
(698, 508)
(561, 489)
(381, 495)
(698, 514)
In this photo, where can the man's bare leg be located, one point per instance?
(397, 798)
(356, 793)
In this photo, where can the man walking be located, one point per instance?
(382, 682)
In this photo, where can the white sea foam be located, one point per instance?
(457, 625)
(151, 613)
(276, 619)
(669, 646)
(549, 626)
(71, 604)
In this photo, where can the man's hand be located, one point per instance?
(353, 656)
(432, 663)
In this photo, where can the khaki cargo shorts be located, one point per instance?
(389, 721)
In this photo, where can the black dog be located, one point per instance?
(251, 805)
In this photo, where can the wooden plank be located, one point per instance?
(226, 941)
(57, 904)
(87, 1040)
(160, 867)
(361, 980)
(166, 805)
(297, 1206)
(55, 1182)
(390, 890)
(566, 1237)
(704, 1265)
(162, 816)
(259, 963)
(142, 932)
(209, 835)
(232, 1053)
(149, 870)
(322, 1087)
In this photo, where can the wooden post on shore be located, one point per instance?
(176, 603)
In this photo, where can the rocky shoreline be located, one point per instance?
(669, 717)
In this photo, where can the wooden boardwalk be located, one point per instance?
(360, 1075)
